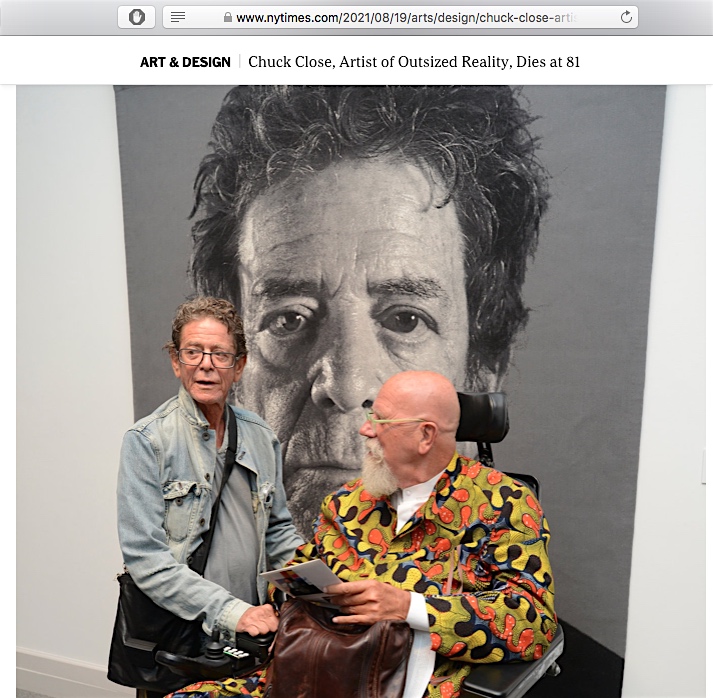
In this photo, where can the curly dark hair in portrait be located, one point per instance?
(474, 140)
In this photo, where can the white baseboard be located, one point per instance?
(61, 677)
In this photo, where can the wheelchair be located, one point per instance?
(484, 420)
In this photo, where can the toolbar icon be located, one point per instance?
(137, 17)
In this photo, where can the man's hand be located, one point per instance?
(258, 620)
(368, 601)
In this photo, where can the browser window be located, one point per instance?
(512, 194)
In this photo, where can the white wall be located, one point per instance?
(74, 403)
(74, 398)
(665, 648)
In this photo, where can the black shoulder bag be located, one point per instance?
(142, 628)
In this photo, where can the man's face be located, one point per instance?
(391, 446)
(207, 385)
(347, 277)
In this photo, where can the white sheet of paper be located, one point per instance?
(307, 580)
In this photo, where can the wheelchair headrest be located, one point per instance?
(483, 417)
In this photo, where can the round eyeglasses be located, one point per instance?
(194, 357)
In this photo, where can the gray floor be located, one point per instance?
(27, 694)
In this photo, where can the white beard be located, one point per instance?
(376, 476)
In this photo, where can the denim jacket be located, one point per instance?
(164, 507)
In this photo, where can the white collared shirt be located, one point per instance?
(408, 501)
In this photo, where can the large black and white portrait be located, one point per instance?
(500, 236)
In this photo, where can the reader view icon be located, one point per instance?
(137, 17)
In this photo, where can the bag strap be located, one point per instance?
(200, 557)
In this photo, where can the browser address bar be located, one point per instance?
(401, 17)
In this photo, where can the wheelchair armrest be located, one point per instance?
(258, 646)
(511, 680)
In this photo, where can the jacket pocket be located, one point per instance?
(181, 499)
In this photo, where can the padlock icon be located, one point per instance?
(227, 17)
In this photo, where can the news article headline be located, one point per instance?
(345, 62)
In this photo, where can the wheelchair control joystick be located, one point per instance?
(214, 647)
(217, 661)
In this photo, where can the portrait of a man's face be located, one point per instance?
(369, 280)
(362, 232)
(500, 236)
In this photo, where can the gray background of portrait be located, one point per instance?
(576, 381)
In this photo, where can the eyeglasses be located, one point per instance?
(194, 357)
(373, 420)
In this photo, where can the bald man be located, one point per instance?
(457, 549)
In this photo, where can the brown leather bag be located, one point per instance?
(314, 658)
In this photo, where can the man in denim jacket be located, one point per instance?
(171, 469)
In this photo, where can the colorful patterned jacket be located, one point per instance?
(480, 527)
